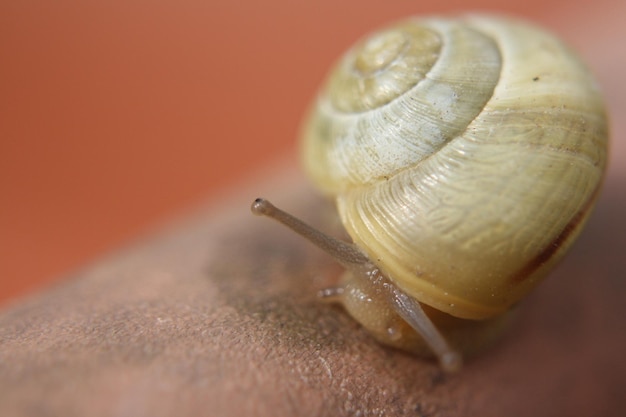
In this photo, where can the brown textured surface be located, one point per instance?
(218, 316)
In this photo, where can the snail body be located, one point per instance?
(464, 156)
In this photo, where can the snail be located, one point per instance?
(464, 156)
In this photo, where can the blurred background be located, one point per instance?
(116, 116)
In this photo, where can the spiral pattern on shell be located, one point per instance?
(464, 154)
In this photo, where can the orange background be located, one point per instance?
(116, 115)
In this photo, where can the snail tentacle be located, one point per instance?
(412, 312)
(343, 252)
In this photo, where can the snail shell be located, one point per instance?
(465, 155)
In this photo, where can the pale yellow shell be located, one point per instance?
(464, 154)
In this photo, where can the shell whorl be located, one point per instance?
(439, 73)
(465, 155)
